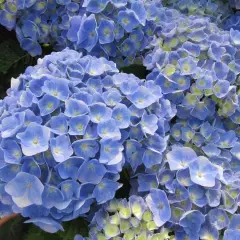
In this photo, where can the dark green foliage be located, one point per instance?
(35, 233)
(13, 60)
(138, 70)
(123, 192)
(78, 226)
(15, 229)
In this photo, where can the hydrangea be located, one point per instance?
(200, 191)
(216, 10)
(68, 126)
(119, 30)
(116, 29)
(199, 169)
(72, 124)
(129, 219)
(196, 64)
(39, 22)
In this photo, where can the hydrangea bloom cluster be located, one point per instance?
(39, 22)
(198, 168)
(134, 219)
(216, 10)
(196, 64)
(68, 126)
(115, 29)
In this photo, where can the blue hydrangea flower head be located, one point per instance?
(217, 11)
(68, 130)
(115, 29)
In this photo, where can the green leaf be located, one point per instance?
(138, 70)
(10, 55)
(13, 229)
(72, 228)
(14, 60)
(123, 192)
(35, 233)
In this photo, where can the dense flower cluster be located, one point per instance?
(64, 126)
(134, 219)
(196, 64)
(39, 22)
(216, 10)
(72, 124)
(115, 29)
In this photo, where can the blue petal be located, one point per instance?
(191, 222)
(75, 108)
(59, 124)
(31, 46)
(179, 158)
(146, 182)
(105, 31)
(69, 168)
(91, 172)
(48, 104)
(151, 158)
(30, 166)
(61, 148)
(111, 152)
(25, 190)
(51, 196)
(108, 129)
(161, 211)
(8, 172)
(12, 151)
(127, 19)
(58, 89)
(96, 6)
(35, 139)
(142, 98)
(105, 190)
(86, 148)
(99, 112)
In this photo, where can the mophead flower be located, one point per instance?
(68, 127)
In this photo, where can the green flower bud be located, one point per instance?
(147, 216)
(111, 230)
